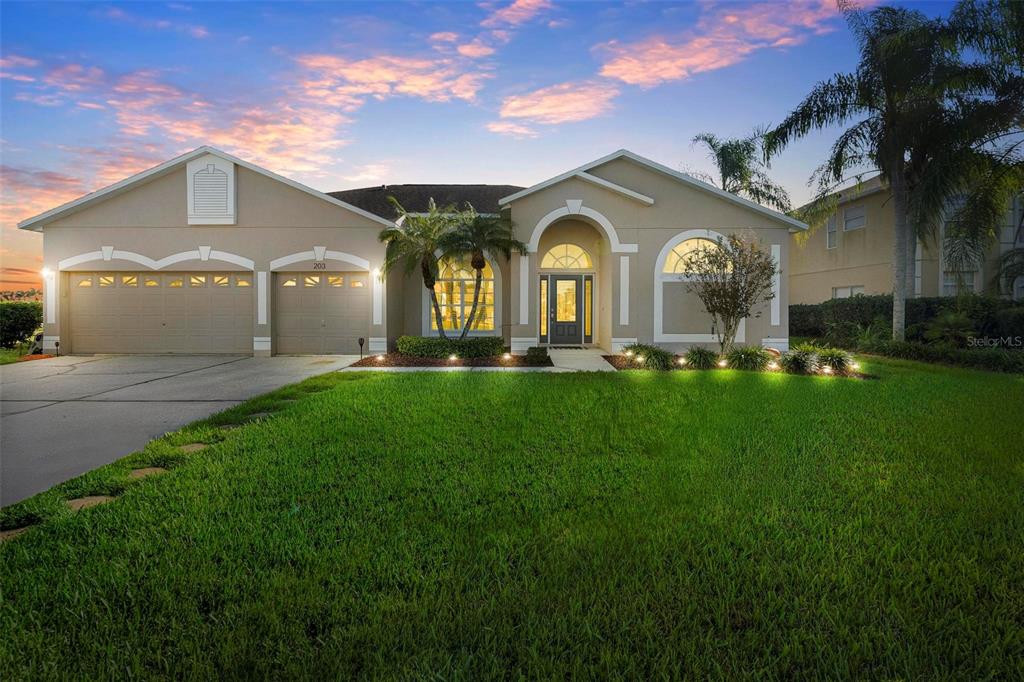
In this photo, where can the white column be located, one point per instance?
(524, 289)
(261, 297)
(50, 295)
(378, 297)
(623, 290)
(777, 285)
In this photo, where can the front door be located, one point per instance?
(566, 310)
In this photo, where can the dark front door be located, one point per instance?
(565, 314)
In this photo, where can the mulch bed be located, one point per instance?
(622, 362)
(399, 360)
(35, 356)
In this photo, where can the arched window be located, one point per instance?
(454, 288)
(567, 257)
(675, 262)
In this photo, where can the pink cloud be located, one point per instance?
(516, 14)
(512, 129)
(344, 80)
(562, 103)
(724, 36)
(74, 77)
(475, 49)
(194, 30)
(444, 37)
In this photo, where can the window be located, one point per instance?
(831, 233)
(176, 283)
(84, 282)
(150, 281)
(221, 281)
(129, 280)
(242, 281)
(567, 257)
(311, 281)
(356, 284)
(847, 292)
(854, 217)
(544, 307)
(106, 280)
(1018, 289)
(954, 283)
(290, 282)
(588, 306)
(675, 263)
(454, 288)
(335, 281)
(197, 280)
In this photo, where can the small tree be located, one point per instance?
(730, 279)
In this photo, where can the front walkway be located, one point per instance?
(562, 359)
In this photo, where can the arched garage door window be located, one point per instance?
(454, 288)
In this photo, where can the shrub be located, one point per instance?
(951, 328)
(537, 355)
(992, 359)
(800, 360)
(836, 358)
(701, 358)
(18, 321)
(1009, 322)
(650, 357)
(436, 347)
(751, 358)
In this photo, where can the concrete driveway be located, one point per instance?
(64, 416)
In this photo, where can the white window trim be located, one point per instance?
(428, 310)
(847, 209)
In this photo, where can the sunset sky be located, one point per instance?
(340, 95)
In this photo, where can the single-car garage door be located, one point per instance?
(321, 312)
(145, 312)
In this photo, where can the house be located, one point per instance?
(852, 253)
(208, 253)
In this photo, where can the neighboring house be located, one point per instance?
(208, 253)
(852, 253)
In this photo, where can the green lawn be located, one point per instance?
(706, 524)
(9, 355)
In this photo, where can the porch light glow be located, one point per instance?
(722, 363)
(46, 272)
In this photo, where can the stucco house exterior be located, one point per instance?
(852, 253)
(208, 253)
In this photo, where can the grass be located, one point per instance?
(9, 355)
(702, 524)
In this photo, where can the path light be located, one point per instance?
(506, 356)
(826, 370)
(639, 358)
(629, 353)
(380, 358)
(854, 365)
(773, 365)
(682, 361)
(453, 357)
(722, 363)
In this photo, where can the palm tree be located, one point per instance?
(415, 242)
(477, 237)
(927, 121)
(741, 171)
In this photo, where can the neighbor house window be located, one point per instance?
(454, 288)
(831, 233)
(854, 217)
(675, 263)
(954, 283)
(567, 257)
(847, 292)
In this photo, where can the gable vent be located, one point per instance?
(211, 191)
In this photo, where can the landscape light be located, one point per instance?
(629, 353)
(506, 356)
(854, 365)
(722, 363)
(682, 361)
(453, 357)
(380, 358)
(639, 358)
(773, 365)
(826, 369)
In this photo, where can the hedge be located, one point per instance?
(436, 347)
(991, 316)
(992, 359)
(19, 320)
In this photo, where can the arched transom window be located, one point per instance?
(675, 263)
(567, 257)
(454, 287)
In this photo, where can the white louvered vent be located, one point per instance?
(211, 191)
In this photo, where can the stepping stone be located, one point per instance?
(193, 447)
(6, 535)
(80, 503)
(257, 416)
(146, 471)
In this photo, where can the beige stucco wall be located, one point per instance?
(273, 220)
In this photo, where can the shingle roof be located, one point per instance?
(414, 198)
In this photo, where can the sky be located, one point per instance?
(342, 95)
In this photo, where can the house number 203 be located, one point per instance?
(320, 266)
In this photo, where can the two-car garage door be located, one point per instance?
(145, 312)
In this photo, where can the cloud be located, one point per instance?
(562, 103)
(475, 49)
(28, 191)
(725, 35)
(371, 172)
(512, 129)
(516, 14)
(194, 30)
(443, 37)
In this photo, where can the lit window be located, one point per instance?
(106, 280)
(335, 281)
(149, 281)
(129, 280)
(197, 280)
(221, 281)
(847, 292)
(675, 263)
(311, 281)
(176, 283)
(588, 305)
(242, 281)
(831, 233)
(84, 282)
(290, 282)
(456, 283)
(854, 218)
(567, 257)
(356, 284)
(544, 306)
(954, 283)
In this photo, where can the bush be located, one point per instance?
(751, 358)
(18, 321)
(992, 359)
(650, 357)
(701, 358)
(537, 355)
(836, 358)
(436, 347)
(800, 360)
(1009, 322)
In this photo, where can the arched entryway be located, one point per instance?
(572, 257)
